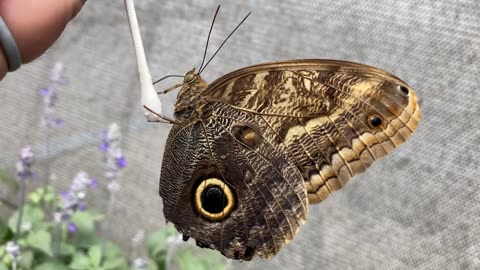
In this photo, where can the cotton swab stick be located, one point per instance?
(152, 107)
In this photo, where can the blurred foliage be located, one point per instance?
(165, 247)
(84, 249)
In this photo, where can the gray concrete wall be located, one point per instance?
(418, 208)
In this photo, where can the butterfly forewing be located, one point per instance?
(332, 118)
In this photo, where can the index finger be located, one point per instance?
(36, 24)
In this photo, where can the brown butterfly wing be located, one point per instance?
(279, 135)
(332, 118)
(270, 200)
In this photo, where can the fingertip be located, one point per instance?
(77, 6)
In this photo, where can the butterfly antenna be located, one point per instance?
(168, 76)
(223, 43)
(208, 38)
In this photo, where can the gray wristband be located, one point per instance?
(10, 49)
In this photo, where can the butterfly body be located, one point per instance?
(256, 147)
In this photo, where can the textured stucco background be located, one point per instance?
(418, 208)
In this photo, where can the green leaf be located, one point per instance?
(186, 261)
(3, 266)
(211, 259)
(7, 260)
(113, 257)
(111, 250)
(84, 240)
(198, 259)
(41, 240)
(80, 262)
(152, 265)
(85, 221)
(49, 197)
(114, 263)
(51, 265)
(95, 254)
(35, 197)
(31, 214)
(157, 242)
(3, 230)
(66, 249)
(161, 261)
(26, 259)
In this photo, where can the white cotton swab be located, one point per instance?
(152, 107)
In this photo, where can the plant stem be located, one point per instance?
(49, 143)
(21, 203)
(108, 214)
(57, 239)
(46, 184)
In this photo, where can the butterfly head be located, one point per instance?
(189, 94)
(190, 77)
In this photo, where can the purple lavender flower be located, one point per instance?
(75, 196)
(50, 97)
(114, 158)
(104, 146)
(115, 162)
(24, 172)
(93, 183)
(13, 250)
(121, 162)
(56, 75)
(72, 228)
(82, 206)
(44, 91)
(64, 194)
(81, 182)
(73, 200)
(58, 122)
(24, 163)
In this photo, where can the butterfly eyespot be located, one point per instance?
(403, 89)
(247, 135)
(214, 199)
(375, 121)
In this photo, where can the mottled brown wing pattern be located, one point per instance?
(253, 148)
(271, 200)
(320, 112)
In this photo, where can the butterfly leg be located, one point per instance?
(167, 120)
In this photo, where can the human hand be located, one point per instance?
(35, 25)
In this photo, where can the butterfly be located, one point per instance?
(249, 153)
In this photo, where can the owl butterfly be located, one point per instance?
(249, 153)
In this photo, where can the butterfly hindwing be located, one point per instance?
(270, 200)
